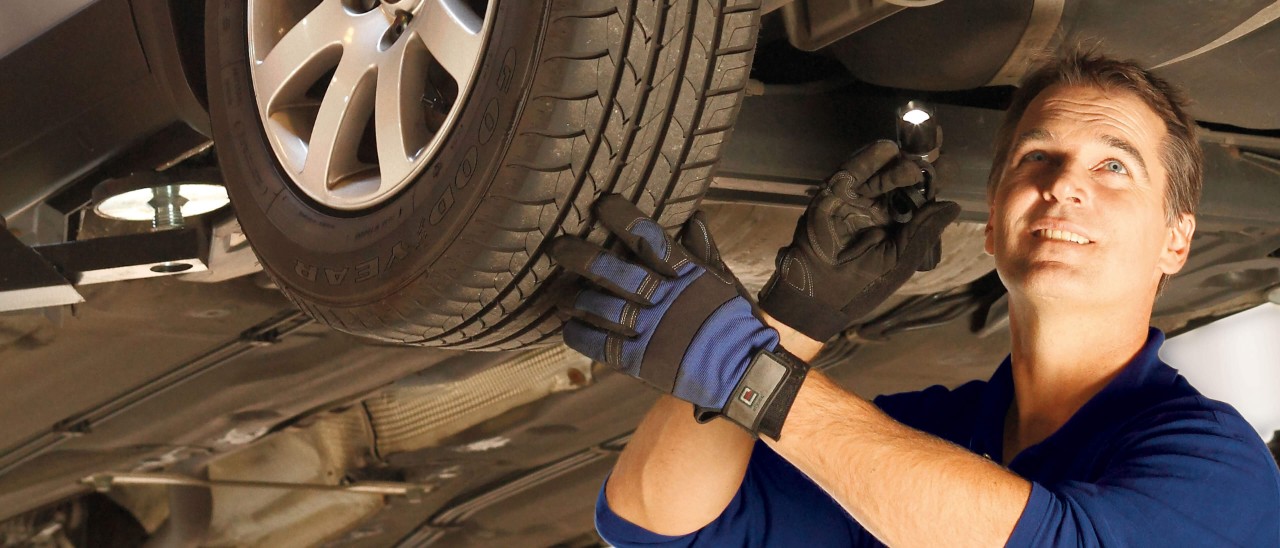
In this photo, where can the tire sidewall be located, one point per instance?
(352, 258)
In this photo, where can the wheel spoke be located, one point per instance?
(292, 65)
(399, 117)
(343, 114)
(451, 32)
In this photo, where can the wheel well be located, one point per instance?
(172, 36)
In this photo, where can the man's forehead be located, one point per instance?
(1101, 112)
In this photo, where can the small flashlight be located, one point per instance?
(919, 137)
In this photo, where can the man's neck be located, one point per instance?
(1061, 356)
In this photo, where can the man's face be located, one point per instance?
(1078, 214)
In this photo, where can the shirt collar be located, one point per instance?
(1144, 369)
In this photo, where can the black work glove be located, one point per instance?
(847, 256)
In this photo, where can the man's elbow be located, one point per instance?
(660, 515)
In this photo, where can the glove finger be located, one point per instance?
(931, 258)
(845, 190)
(640, 234)
(604, 312)
(824, 230)
(696, 239)
(869, 159)
(867, 241)
(587, 340)
(900, 172)
(848, 220)
(917, 239)
(907, 246)
(622, 278)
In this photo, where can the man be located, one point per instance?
(1082, 436)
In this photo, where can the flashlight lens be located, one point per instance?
(916, 116)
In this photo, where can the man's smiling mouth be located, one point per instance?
(1061, 235)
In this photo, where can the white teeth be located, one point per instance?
(1062, 235)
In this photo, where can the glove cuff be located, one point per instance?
(763, 397)
(804, 313)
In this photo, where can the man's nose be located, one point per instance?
(1065, 187)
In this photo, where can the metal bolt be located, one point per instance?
(401, 21)
(396, 30)
(168, 205)
(435, 101)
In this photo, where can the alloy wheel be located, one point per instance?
(356, 96)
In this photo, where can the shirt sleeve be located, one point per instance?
(1198, 478)
(776, 505)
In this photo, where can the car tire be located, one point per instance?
(571, 100)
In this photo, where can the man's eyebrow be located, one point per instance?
(1126, 147)
(1037, 134)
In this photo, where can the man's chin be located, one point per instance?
(1056, 282)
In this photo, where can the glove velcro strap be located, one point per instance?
(661, 363)
(761, 400)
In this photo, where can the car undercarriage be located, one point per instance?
(221, 407)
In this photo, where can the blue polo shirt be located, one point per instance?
(1148, 461)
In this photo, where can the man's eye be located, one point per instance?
(1115, 166)
(1035, 156)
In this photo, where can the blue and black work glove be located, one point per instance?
(671, 314)
(848, 255)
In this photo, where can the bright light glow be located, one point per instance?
(202, 198)
(130, 206)
(916, 116)
(134, 205)
(1235, 360)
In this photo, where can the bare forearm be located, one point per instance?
(906, 487)
(675, 475)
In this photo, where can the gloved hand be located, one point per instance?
(847, 256)
(676, 318)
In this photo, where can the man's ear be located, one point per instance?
(988, 244)
(1178, 244)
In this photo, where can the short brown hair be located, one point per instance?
(1180, 153)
